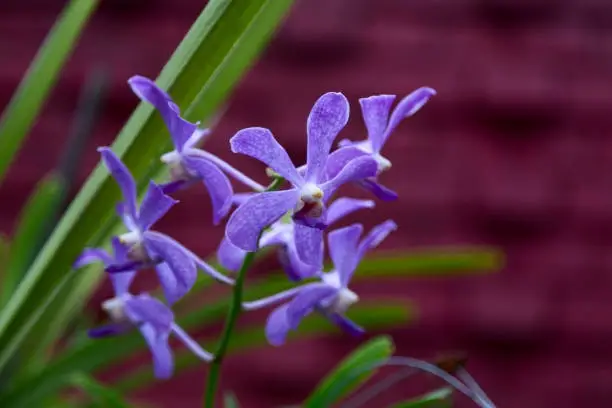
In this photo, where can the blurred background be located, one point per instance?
(514, 151)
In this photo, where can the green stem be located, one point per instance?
(230, 321)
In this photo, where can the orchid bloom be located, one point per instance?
(330, 296)
(306, 199)
(380, 123)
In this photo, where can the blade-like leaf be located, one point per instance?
(230, 401)
(18, 118)
(31, 230)
(221, 44)
(101, 396)
(433, 261)
(441, 398)
(328, 392)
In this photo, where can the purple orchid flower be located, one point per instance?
(187, 163)
(176, 266)
(306, 199)
(282, 235)
(154, 319)
(380, 123)
(331, 296)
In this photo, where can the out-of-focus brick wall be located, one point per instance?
(514, 151)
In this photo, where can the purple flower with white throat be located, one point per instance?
(331, 296)
(187, 163)
(126, 311)
(281, 234)
(176, 266)
(306, 199)
(380, 123)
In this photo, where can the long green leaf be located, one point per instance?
(221, 44)
(100, 354)
(441, 398)
(328, 392)
(31, 230)
(102, 396)
(38, 82)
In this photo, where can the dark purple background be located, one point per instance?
(514, 151)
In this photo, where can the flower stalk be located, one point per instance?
(230, 322)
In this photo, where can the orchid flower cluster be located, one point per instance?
(293, 220)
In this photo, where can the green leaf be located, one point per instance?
(433, 261)
(5, 247)
(441, 398)
(230, 401)
(328, 392)
(219, 47)
(31, 230)
(36, 85)
(101, 396)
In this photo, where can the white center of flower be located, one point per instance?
(383, 163)
(344, 300)
(171, 158)
(131, 238)
(311, 193)
(115, 308)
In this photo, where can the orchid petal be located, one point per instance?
(344, 206)
(177, 185)
(327, 118)
(216, 182)
(172, 290)
(146, 309)
(107, 330)
(338, 159)
(260, 144)
(230, 256)
(91, 255)
(155, 205)
(375, 237)
(381, 192)
(293, 266)
(124, 179)
(309, 245)
(180, 129)
(342, 245)
(163, 361)
(357, 169)
(346, 324)
(375, 111)
(177, 258)
(407, 107)
(306, 300)
(277, 326)
(259, 211)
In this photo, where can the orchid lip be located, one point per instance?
(131, 238)
(384, 164)
(311, 193)
(344, 299)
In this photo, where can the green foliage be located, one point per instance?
(441, 398)
(100, 395)
(336, 385)
(36, 85)
(31, 230)
(230, 401)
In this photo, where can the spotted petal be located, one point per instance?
(309, 245)
(357, 169)
(155, 205)
(340, 158)
(180, 130)
(260, 144)
(124, 179)
(327, 118)
(375, 111)
(376, 236)
(344, 206)
(259, 211)
(343, 244)
(216, 182)
(407, 107)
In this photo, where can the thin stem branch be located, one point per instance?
(230, 322)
